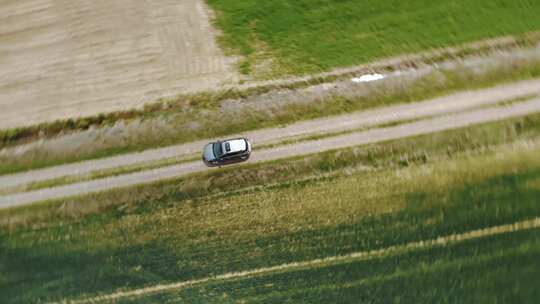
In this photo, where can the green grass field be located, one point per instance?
(501, 269)
(304, 36)
(178, 237)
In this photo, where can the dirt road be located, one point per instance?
(303, 148)
(438, 106)
(63, 59)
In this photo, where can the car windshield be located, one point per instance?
(217, 149)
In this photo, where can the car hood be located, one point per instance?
(208, 152)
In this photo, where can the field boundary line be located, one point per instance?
(361, 255)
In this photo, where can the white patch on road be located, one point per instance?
(368, 78)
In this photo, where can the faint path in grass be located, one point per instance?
(322, 262)
(439, 106)
(299, 149)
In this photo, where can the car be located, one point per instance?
(225, 152)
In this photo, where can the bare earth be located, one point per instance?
(303, 148)
(61, 58)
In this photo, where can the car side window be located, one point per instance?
(228, 157)
(234, 155)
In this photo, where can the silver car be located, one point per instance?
(225, 152)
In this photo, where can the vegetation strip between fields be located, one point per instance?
(362, 255)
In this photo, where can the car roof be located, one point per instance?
(235, 145)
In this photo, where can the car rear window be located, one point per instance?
(227, 147)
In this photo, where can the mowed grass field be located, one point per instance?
(304, 36)
(462, 181)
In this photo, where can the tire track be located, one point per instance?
(322, 262)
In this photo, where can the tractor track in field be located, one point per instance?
(321, 262)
